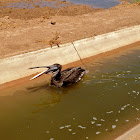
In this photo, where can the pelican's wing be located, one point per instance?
(41, 73)
(66, 73)
(73, 74)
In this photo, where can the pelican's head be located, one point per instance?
(51, 69)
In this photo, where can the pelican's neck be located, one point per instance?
(56, 78)
(56, 75)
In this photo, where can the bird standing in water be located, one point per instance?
(62, 78)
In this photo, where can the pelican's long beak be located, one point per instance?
(50, 69)
(41, 73)
(40, 67)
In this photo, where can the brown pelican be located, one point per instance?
(62, 78)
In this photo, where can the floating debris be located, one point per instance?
(92, 122)
(116, 120)
(47, 132)
(67, 126)
(127, 120)
(62, 127)
(134, 91)
(114, 126)
(137, 109)
(102, 120)
(94, 118)
(98, 124)
(74, 133)
(80, 126)
(98, 132)
(109, 112)
(122, 108)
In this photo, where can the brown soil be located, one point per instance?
(24, 30)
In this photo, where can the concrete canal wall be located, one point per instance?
(132, 134)
(16, 67)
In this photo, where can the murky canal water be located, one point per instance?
(103, 104)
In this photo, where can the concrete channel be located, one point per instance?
(15, 67)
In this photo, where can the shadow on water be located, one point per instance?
(53, 94)
(48, 88)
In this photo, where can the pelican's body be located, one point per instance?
(62, 78)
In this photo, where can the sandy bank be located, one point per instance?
(19, 36)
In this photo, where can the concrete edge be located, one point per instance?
(131, 133)
(16, 67)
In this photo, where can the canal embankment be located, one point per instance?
(16, 67)
(132, 134)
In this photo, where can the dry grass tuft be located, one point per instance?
(55, 40)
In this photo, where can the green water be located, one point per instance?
(103, 104)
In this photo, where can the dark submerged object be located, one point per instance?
(62, 78)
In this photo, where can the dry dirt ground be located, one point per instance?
(24, 30)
